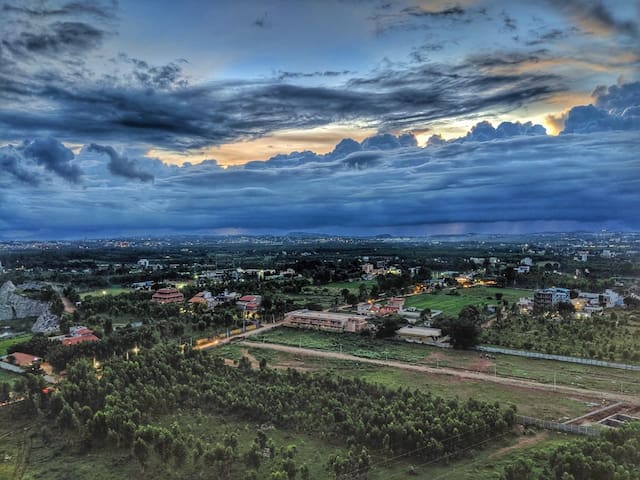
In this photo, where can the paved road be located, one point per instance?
(219, 343)
(479, 376)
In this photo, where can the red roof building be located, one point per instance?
(167, 295)
(23, 359)
(80, 339)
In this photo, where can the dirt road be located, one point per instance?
(69, 307)
(478, 376)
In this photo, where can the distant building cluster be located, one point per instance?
(393, 306)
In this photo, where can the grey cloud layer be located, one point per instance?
(522, 181)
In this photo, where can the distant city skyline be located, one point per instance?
(342, 116)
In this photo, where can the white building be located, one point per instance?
(143, 263)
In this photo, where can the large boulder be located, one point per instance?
(13, 306)
(46, 323)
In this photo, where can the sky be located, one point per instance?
(351, 117)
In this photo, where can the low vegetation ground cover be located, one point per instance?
(545, 405)
(105, 291)
(452, 304)
(613, 336)
(8, 342)
(543, 371)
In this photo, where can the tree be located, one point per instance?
(5, 392)
(566, 309)
(521, 469)
(141, 451)
(464, 331)
(389, 326)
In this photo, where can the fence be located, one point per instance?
(559, 358)
(587, 430)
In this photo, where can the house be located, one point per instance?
(326, 321)
(249, 304)
(22, 360)
(77, 334)
(396, 302)
(546, 299)
(363, 308)
(203, 298)
(167, 295)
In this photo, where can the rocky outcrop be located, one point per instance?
(46, 323)
(13, 306)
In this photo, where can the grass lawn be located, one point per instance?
(106, 291)
(8, 342)
(337, 287)
(452, 304)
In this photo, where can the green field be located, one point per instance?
(106, 291)
(327, 295)
(543, 371)
(452, 304)
(7, 342)
(548, 406)
(25, 454)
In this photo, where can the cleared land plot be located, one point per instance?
(529, 402)
(543, 371)
(452, 304)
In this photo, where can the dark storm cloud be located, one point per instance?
(454, 11)
(616, 108)
(58, 38)
(419, 18)
(490, 175)
(196, 116)
(120, 165)
(53, 156)
(10, 166)
(104, 10)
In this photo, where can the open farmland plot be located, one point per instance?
(452, 304)
(534, 403)
(542, 371)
